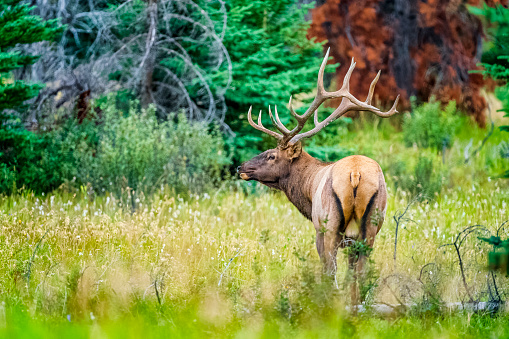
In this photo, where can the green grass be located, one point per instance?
(241, 262)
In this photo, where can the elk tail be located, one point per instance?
(355, 177)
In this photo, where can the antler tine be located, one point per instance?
(321, 71)
(372, 88)
(321, 96)
(259, 126)
(346, 80)
(277, 122)
(390, 112)
(292, 111)
(286, 130)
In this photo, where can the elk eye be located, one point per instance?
(272, 157)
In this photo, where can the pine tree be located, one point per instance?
(17, 26)
(271, 59)
(20, 150)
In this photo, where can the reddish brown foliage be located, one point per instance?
(423, 47)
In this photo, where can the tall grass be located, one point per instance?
(241, 261)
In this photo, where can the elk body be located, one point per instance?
(346, 200)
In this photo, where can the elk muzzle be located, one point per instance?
(243, 172)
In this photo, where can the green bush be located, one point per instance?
(29, 160)
(421, 180)
(430, 126)
(134, 151)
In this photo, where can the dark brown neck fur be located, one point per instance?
(298, 185)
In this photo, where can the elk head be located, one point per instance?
(270, 166)
(274, 164)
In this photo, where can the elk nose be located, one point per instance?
(238, 169)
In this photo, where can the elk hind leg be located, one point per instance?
(370, 223)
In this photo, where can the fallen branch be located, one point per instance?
(457, 245)
(227, 266)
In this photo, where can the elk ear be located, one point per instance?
(294, 150)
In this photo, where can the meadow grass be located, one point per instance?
(241, 261)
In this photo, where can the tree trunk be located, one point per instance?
(148, 61)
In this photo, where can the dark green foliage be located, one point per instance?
(272, 59)
(326, 145)
(124, 150)
(430, 126)
(329, 153)
(498, 258)
(17, 26)
(28, 160)
(495, 59)
(25, 160)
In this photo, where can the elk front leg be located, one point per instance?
(331, 244)
(319, 245)
(327, 245)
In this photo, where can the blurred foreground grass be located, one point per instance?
(241, 262)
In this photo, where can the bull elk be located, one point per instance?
(346, 200)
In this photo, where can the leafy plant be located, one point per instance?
(136, 152)
(17, 26)
(421, 180)
(430, 126)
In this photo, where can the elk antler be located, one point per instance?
(348, 103)
(259, 126)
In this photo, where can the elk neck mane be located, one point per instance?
(298, 185)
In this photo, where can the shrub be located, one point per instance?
(429, 126)
(421, 180)
(134, 151)
(29, 160)
(497, 160)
